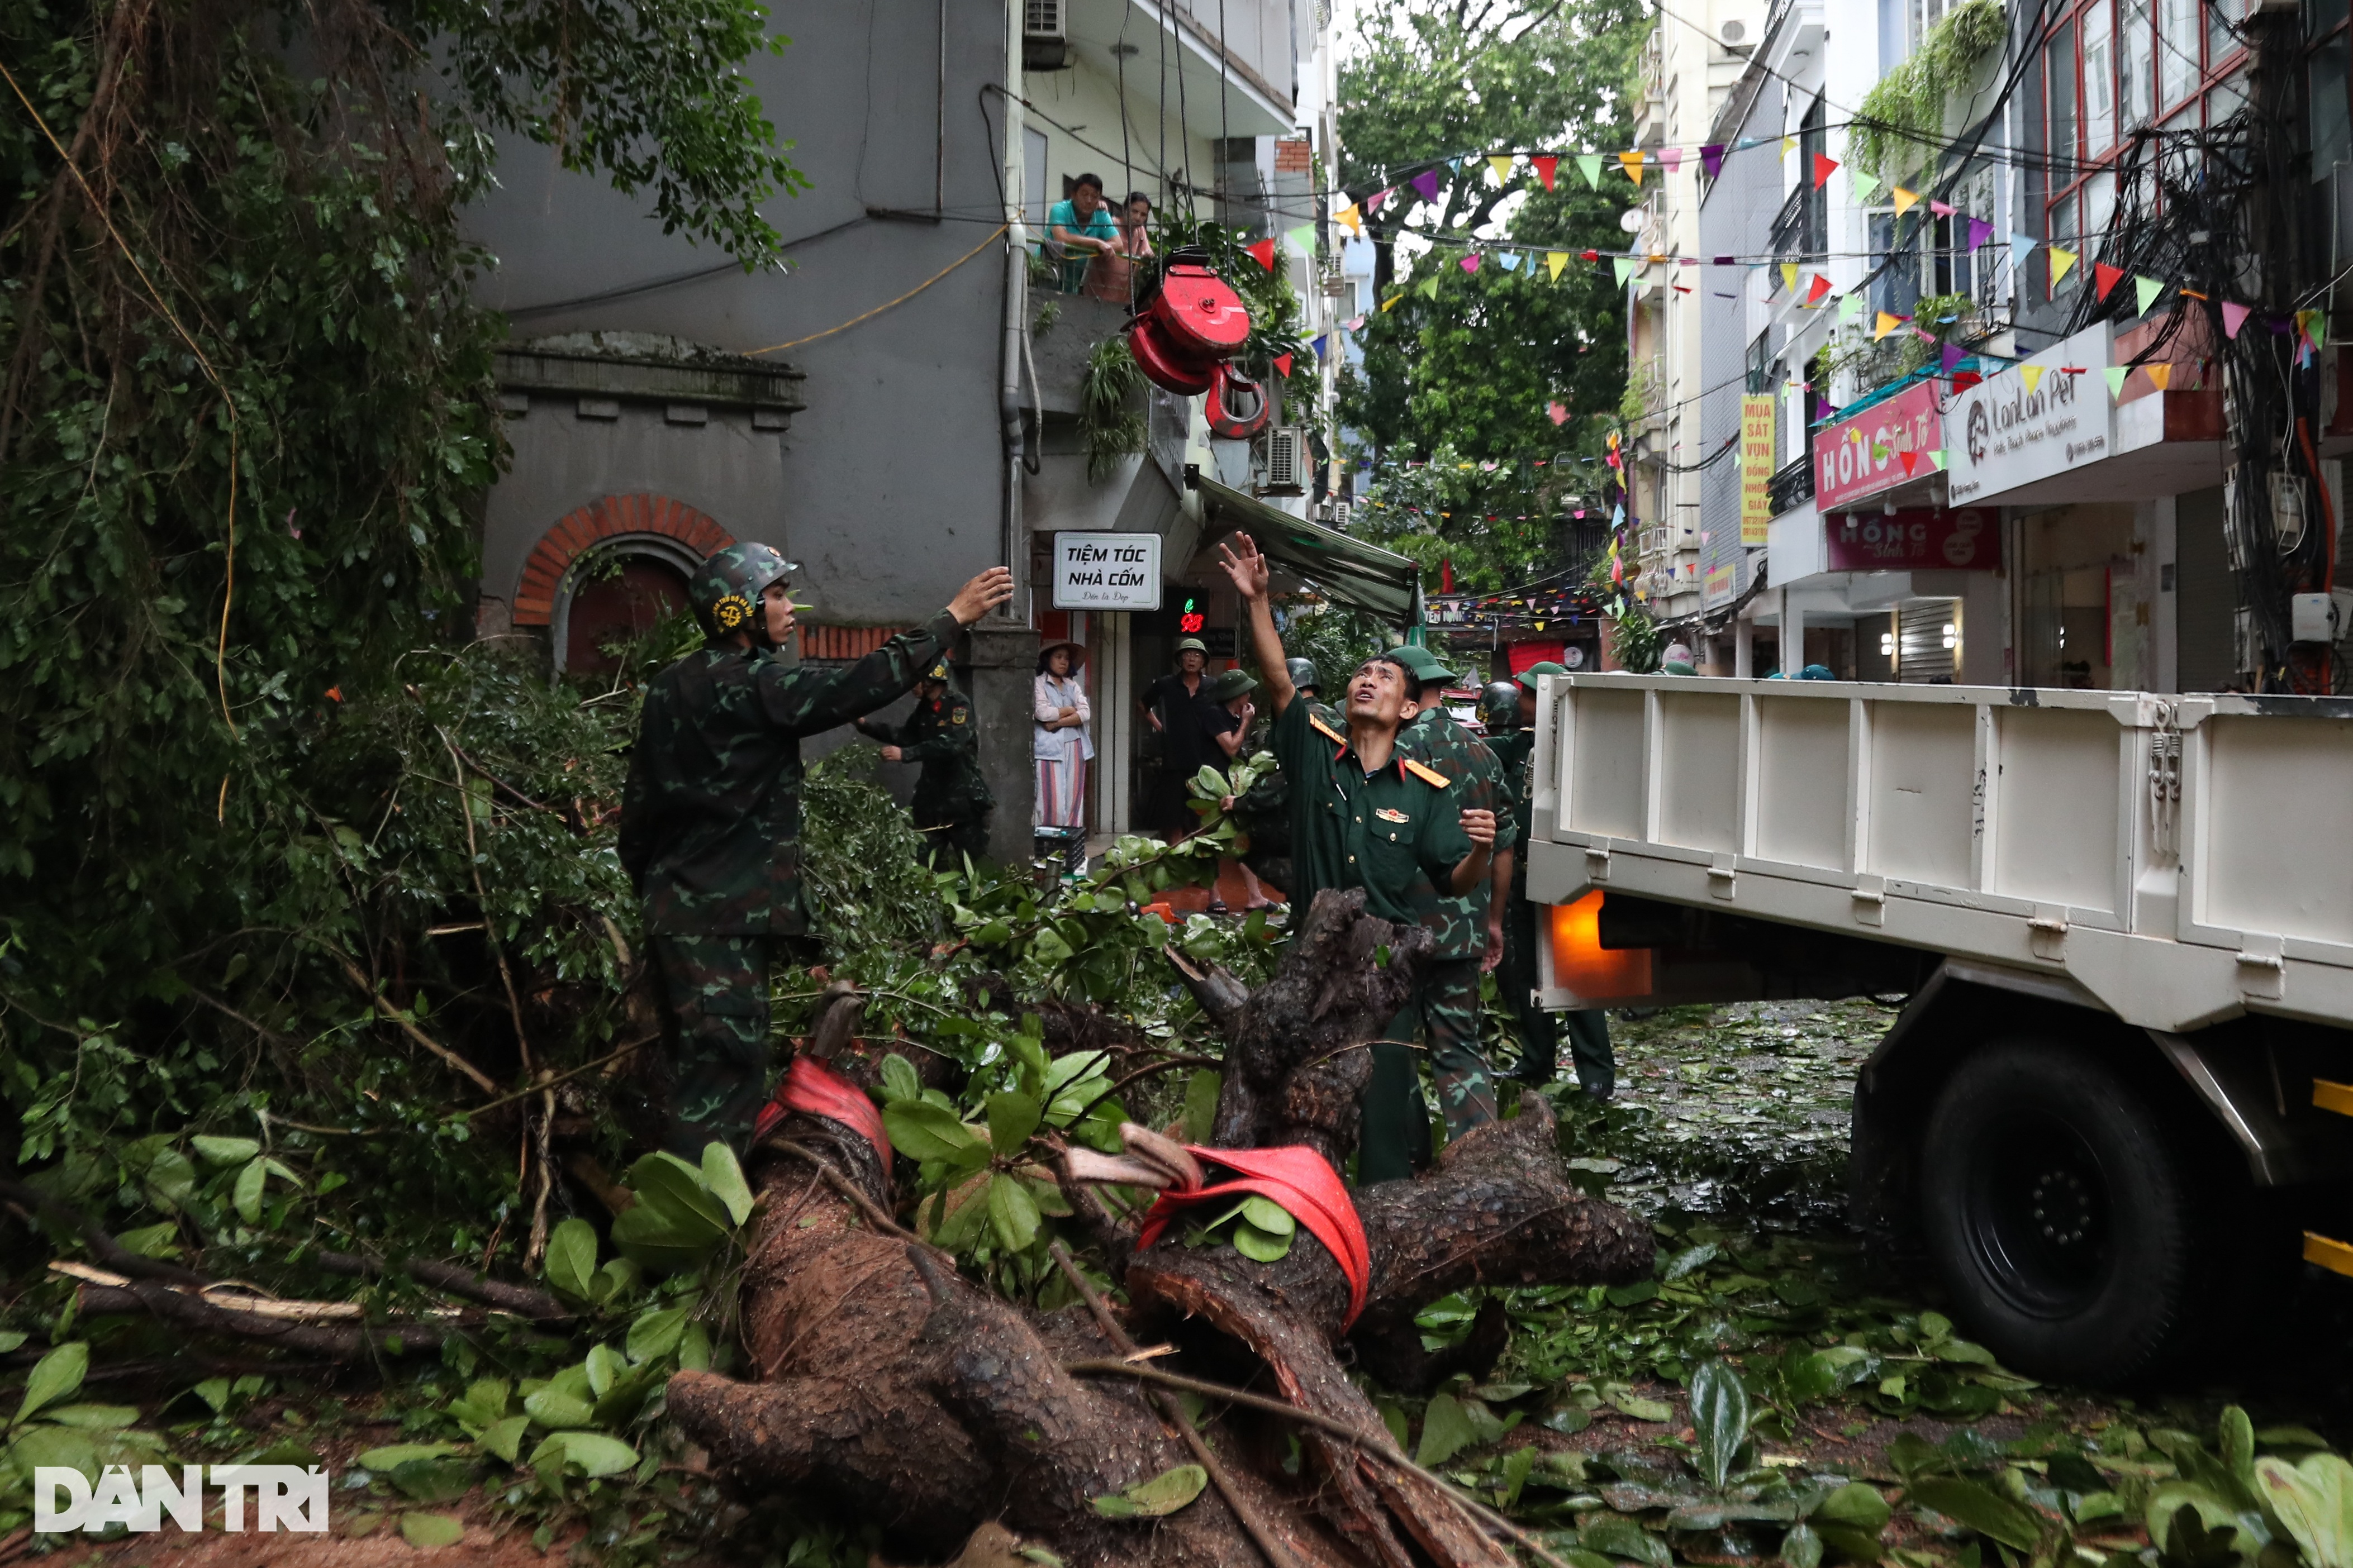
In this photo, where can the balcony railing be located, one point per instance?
(1792, 486)
(1802, 231)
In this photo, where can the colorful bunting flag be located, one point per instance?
(1427, 184)
(1673, 157)
(1910, 460)
(1979, 232)
(2105, 277)
(1850, 307)
(1815, 290)
(1303, 238)
(1824, 167)
(2313, 325)
(1589, 165)
(1392, 302)
(1789, 274)
(1711, 158)
(2021, 246)
(1864, 184)
(1264, 254)
(1633, 163)
(2159, 375)
(1502, 163)
(1373, 202)
(1935, 458)
(1354, 324)
(1625, 266)
(1511, 260)
(1951, 359)
(1887, 324)
(1471, 262)
(2116, 378)
(2033, 375)
(1352, 217)
(2145, 289)
(1904, 200)
(2061, 259)
(1557, 413)
(1942, 209)
(1789, 145)
(1282, 366)
(2235, 316)
(1555, 259)
(1545, 164)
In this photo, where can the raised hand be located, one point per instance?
(982, 595)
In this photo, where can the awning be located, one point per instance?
(1347, 571)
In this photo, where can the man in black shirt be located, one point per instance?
(1171, 705)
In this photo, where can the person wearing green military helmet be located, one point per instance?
(710, 818)
(952, 801)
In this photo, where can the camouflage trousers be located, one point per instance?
(1539, 1031)
(716, 1002)
(1444, 1014)
(951, 827)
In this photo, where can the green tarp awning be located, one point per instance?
(1347, 571)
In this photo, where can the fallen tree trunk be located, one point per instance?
(886, 1381)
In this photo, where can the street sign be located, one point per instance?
(1106, 571)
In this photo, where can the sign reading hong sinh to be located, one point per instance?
(2037, 418)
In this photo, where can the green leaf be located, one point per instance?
(1802, 1548)
(900, 1080)
(1858, 1506)
(1011, 1119)
(657, 1240)
(1624, 1538)
(59, 1447)
(592, 1453)
(657, 1333)
(961, 1229)
(562, 1401)
(432, 1480)
(1688, 1261)
(485, 1402)
(54, 1377)
(2315, 1501)
(2238, 1435)
(430, 1532)
(724, 1176)
(1979, 1508)
(1446, 1431)
(1720, 1414)
(223, 1150)
(504, 1437)
(572, 1259)
(171, 1179)
(677, 1188)
(246, 1199)
(1013, 1212)
(604, 1364)
(1201, 1092)
(1268, 1216)
(386, 1460)
(1050, 948)
(1640, 1409)
(92, 1417)
(1260, 1246)
(1161, 1495)
(922, 1131)
(1515, 1473)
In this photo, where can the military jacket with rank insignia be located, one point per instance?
(1396, 832)
(1435, 739)
(711, 820)
(940, 735)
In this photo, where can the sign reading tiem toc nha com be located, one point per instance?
(1106, 571)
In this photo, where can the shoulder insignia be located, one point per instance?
(1390, 814)
(1428, 775)
(1316, 723)
(959, 714)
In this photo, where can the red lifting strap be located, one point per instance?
(811, 1086)
(1308, 1190)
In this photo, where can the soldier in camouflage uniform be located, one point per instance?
(952, 800)
(1444, 1013)
(1265, 811)
(1539, 1030)
(1364, 814)
(710, 819)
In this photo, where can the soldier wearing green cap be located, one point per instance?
(1364, 813)
(1444, 1013)
(710, 819)
(952, 801)
(1538, 1030)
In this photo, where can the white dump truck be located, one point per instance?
(2115, 1109)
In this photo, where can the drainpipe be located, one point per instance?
(1016, 289)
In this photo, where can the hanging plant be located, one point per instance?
(1110, 426)
(1901, 122)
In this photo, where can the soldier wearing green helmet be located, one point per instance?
(710, 818)
(952, 801)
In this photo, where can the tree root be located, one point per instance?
(884, 1380)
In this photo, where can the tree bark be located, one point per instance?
(882, 1379)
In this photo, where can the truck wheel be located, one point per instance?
(2056, 1209)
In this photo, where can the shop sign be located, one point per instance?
(1106, 571)
(1863, 456)
(1755, 466)
(2036, 419)
(1715, 588)
(1966, 539)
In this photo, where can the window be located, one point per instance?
(1897, 289)
(2136, 64)
(2059, 83)
(2177, 65)
(2099, 80)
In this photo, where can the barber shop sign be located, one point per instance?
(284, 1497)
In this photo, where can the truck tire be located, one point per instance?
(2055, 1207)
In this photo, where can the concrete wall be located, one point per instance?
(888, 486)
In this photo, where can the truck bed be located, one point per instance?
(2176, 860)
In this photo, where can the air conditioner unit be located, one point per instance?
(1045, 36)
(1286, 461)
(1340, 515)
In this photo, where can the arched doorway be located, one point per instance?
(611, 570)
